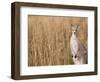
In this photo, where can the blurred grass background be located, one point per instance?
(49, 39)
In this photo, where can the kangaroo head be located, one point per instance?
(74, 29)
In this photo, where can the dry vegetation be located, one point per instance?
(49, 37)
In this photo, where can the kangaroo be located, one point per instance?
(79, 52)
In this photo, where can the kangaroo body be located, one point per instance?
(79, 52)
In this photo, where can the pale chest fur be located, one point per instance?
(74, 44)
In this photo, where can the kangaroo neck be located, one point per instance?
(74, 36)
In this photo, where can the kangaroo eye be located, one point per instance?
(72, 56)
(75, 56)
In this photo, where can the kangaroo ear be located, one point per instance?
(71, 26)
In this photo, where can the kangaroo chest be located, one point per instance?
(74, 44)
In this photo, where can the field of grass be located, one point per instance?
(49, 39)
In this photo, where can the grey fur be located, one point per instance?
(79, 52)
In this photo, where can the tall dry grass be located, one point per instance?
(49, 39)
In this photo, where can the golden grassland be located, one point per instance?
(49, 39)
